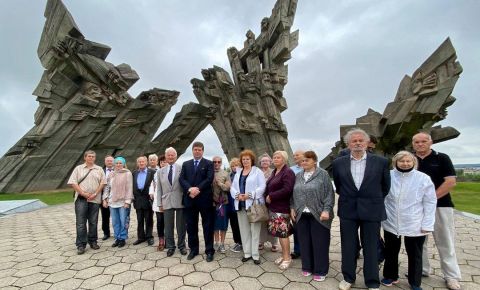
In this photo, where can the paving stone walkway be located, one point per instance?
(37, 251)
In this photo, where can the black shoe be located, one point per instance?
(94, 246)
(209, 257)
(121, 243)
(244, 259)
(256, 262)
(295, 255)
(105, 237)
(183, 252)
(150, 242)
(116, 243)
(80, 250)
(170, 252)
(191, 255)
(137, 242)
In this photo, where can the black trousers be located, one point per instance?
(160, 224)
(413, 246)
(86, 213)
(208, 218)
(145, 224)
(349, 237)
(232, 215)
(314, 240)
(105, 220)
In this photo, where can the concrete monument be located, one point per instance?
(420, 102)
(247, 110)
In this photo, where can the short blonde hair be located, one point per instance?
(283, 154)
(234, 162)
(401, 155)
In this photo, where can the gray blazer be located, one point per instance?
(169, 196)
(316, 193)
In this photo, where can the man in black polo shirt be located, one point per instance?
(440, 169)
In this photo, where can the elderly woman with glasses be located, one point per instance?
(118, 196)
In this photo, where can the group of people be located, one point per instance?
(410, 200)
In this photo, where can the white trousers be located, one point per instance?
(250, 233)
(444, 236)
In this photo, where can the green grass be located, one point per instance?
(466, 197)
(49, 197)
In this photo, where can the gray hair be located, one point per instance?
(402, 154)
(284, 155)
(217, 157)
(142, 157)
(354, 131)
(423, 133)
(153, 157)
(171, 149)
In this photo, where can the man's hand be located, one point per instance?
(105, 203)
(151, 196)
(126, 205)
(160, 208)
(91, 196)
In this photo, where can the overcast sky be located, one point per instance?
(351, 56)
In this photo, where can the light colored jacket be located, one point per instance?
(254, 187)
(169, 196)
(410, 204)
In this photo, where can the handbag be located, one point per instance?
(257, 212)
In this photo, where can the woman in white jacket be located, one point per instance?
(248, 185)
(410, 207)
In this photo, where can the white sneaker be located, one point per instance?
(344, 285)
(373, 289)
(453, 284)
(221, 248)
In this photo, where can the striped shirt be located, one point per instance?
(357, 167)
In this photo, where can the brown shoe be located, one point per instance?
(161, 244)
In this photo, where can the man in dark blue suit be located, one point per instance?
(142, 178)
(196, 180)
(362, 181)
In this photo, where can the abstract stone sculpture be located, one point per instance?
(84, 103)
(248, 109)
(421, 101)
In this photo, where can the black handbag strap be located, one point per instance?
(82, 179)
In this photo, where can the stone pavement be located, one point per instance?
(37, 251)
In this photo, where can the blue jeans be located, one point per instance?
(120, 222)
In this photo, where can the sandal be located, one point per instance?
(260, 247)
(285, 264)
(274, 248)
(278, 261)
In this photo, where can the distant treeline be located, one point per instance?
(467, 177)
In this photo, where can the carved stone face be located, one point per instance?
(93, 91)
(264, 24)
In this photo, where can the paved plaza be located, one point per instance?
(37, 251)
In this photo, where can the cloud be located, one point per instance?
(351, 56)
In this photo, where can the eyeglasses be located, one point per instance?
(217, 161)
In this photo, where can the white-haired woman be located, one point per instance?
(410, 207)
(277, 197)
(266, 167)
(118, 196)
